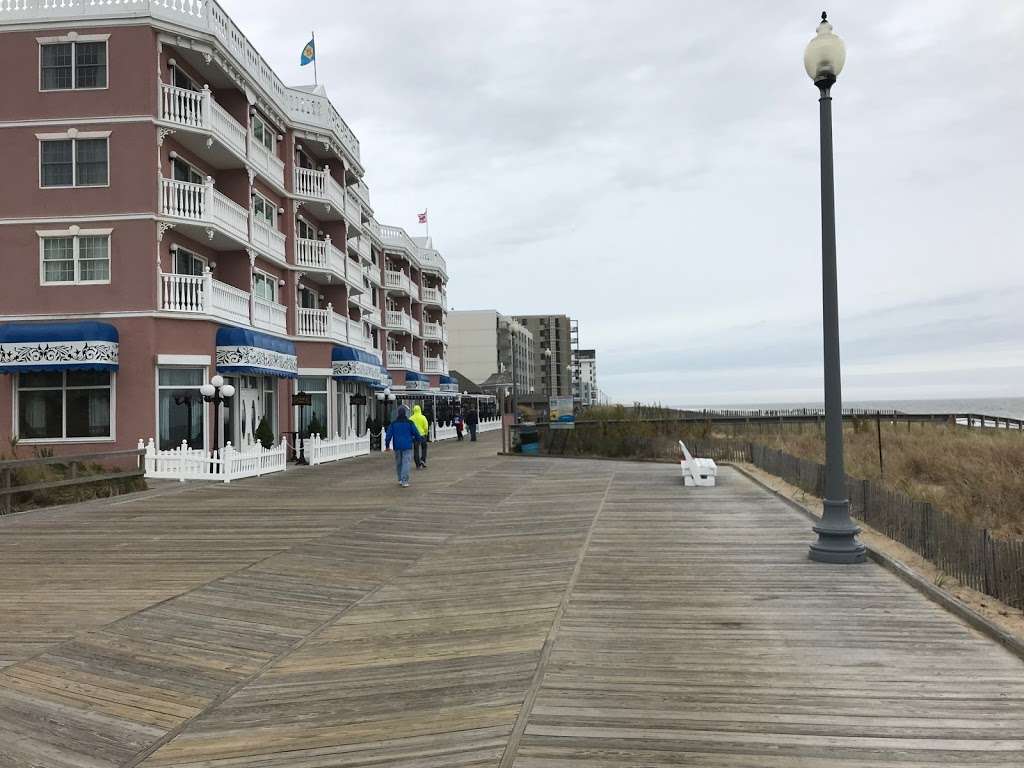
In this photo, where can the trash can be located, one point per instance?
(529, 439)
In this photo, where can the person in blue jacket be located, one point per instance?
(404, 434)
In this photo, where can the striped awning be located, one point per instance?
(85, 345)
(351, 364)
(244, 351)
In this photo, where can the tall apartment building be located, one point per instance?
(486, 345)
(554, 371)
(586, 392)
(171, 210)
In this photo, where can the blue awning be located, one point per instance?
(87, 345)
(240, 350)
(414, 376)
(351, 364)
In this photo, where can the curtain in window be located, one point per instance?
(57, 164)
(91, 162)
(91, 65)
(56, 63)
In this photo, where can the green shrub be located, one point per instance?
(265, 434)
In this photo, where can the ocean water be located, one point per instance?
(1012, 407)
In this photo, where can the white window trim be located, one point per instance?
(189, 361)
(271, 280)
(309, 224)
(74, 233)
(267, 130)
(16, 394)
(174, 257)
(268, 205)
(73, 37)
(73, 135)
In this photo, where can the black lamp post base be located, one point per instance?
(837, 536)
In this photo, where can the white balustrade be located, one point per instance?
(203, 204)
(432, 331)
(184, 463)
(435, 365)
(269, 315)
(268, 239)
(229, 214)
(202, 294)
(398, 281)
(269, 164)
(372, 271)
(311, 253)
(228, 302)
(398, 320)
(198, 110)
(320, 185)
(414, 362)
(225, 127)
(312, 322)
(399, 358)
(414, 291)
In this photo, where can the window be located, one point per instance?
(72, 259)
(180, 80)
(60, 405)
(188, 263)
(263, 134)
(73, 65)
(264, 209)
(264, 286)
(185, 172)
(313, 419)
(306, 231)
(180, 407)
(79, 162)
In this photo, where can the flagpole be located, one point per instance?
(315, 80)
(427, 211)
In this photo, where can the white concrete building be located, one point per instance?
(483, 343)
(587, 392)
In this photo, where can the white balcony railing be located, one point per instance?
(415, 361)
(269, 164)
(268, 239)
(435, 332)
(399, 358)
(269, 315)
(202, 204)
(320, 185)
(321, 255)
(201, 294)
(398, 321)
(414, 291)
(328, 324)
(373, 273)
(435, 296)
(198, 110)
(361, 245)
(398, 281)
(435, 365)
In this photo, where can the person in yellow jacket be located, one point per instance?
(420, 448)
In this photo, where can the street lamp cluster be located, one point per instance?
(218, 393)
(837, 533)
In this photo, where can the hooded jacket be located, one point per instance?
(402, 432)
(421, 421)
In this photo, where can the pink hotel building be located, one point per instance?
(170, 210)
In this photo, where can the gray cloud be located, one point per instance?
(651, 169)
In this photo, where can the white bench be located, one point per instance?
(697, 471)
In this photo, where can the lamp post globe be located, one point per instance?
(837, 533)
(207, 390)
(825, 55)
(217, 380)
(227, 391)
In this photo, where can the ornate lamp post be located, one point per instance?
(837, 533)
(217, 392)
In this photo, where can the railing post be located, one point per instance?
(206, 299)
(206, 203)
(329, 326)
(207, 118)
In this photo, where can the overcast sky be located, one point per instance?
(651, 168)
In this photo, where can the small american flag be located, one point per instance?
(422, 217)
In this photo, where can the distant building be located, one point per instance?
(554, 372)
(586, 392)
(488, 347)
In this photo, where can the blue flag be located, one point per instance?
(308, 53)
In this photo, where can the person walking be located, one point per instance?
(419, 451)
(458, 426)
(404, 434)
(472, 420)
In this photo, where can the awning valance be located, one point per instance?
(448, 384)
(416, 381)
(240, 350)
(351, 364)
(86, 345)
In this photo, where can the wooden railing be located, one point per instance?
(72, 466)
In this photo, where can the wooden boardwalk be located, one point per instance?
(538, 613)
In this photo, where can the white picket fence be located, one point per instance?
(489, 425)
(444, 433)
(317, 450)
(184, 463)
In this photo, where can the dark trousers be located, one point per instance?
(419, 453)
(458, 432)
(472, 433)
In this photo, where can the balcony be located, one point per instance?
(266, 162)
(203, 206)
(435, 365)
(328, 324)
(362, 193)
(361, 246)
(435, 332)
(398, 282)
(432, 261)
(268, 240)
(435, 297)
(197, 110)
(202, 295)
(398, 321)
(372, 271)
(399, 358)
(321, 186)
(322, 256)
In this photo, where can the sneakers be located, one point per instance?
(404, 485)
